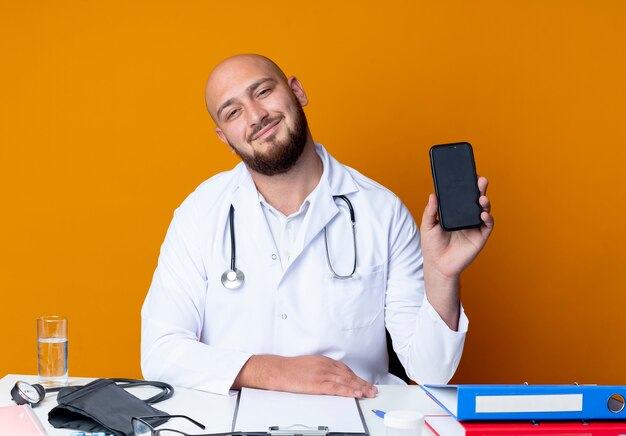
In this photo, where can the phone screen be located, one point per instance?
(454, 176)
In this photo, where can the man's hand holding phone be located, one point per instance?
(447, 253)
(451, 252)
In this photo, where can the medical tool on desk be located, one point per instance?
(25, 393)
(104, 405)
(233, 278)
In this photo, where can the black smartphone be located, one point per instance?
(454, 176)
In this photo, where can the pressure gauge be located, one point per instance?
(25, 393)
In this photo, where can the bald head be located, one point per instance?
(258, 113)
(239, 70)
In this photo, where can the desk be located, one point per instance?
(216, 411)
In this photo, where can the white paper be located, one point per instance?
(529, 403)
(259, 409)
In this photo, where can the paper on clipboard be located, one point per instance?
(257, 410)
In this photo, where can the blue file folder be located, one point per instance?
(530, 402)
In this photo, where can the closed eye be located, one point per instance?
(263, 92)
(231, 114)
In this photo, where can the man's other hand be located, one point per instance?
(303, 374)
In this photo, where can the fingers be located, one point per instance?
(486, 216)
(348, 388)
(482, 185)
(313, 374)
(429, 218)
(347, 383)
(487, 219)
(488, 224)
(485, 203)
(342, 390)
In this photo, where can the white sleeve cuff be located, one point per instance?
(435, 317)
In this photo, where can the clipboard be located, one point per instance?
(289, 414)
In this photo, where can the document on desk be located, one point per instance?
(257, 410)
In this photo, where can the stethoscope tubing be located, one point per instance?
(231, 215)
(353, 222)
(234, 278)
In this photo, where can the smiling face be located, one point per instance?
(258, 112)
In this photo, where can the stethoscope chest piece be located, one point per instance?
(232, 279)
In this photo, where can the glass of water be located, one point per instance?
(52, 350)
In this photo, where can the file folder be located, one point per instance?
(530, 402)
(446, 425)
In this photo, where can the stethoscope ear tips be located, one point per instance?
(232, 279)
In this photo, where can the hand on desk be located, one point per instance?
(303, 374)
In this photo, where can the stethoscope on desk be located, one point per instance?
(233, 278)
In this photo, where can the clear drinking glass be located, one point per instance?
(52, 350)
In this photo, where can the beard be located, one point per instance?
(282, 155)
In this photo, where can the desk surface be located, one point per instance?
(216, 411)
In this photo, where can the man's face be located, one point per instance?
(258, 113)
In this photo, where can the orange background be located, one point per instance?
(103, 132)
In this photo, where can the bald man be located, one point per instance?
(261, 281)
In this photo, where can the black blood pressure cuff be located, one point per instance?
(101, 406)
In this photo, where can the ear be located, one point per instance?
(220, 135)
(298, 90)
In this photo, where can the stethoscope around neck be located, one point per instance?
(234, 278)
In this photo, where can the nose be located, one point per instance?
(256, 114)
